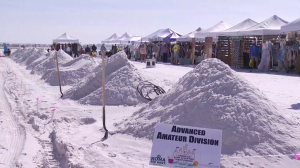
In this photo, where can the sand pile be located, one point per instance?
(214, 96)
(121, 81)
(73, 71)
(49, 63)
(21, 55)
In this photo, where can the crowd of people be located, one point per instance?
(75, 49)
(164, 52)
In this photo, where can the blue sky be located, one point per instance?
(40, 21)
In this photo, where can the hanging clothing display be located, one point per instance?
(265, 58)
(275, 51)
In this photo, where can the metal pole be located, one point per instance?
(58, 73)
(103, 94)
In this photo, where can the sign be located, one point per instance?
(177, 146)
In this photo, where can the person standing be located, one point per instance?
(165, 51)
(103, 49)
(75, 51)
(68, 50)
(175, 48)
(172, 54)
(94, 48)
(254, 54)
(131, 51)
(155, 50)
(143, 51)
(71, 50)
(5, 50)
(181, 53)
(115, 49)
(78, 49)
(87, 50)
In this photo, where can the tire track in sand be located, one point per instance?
(15, 133)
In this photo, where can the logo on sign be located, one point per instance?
(183, 156)
(158, 160)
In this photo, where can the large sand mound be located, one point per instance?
(72, 72)
(121, 80)
(27, 55)
(214, 96)
(49, 63)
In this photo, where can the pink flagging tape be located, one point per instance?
(53, 110)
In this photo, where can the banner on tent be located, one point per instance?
(179, 146)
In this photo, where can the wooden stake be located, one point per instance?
(58, 73)
(103, 94)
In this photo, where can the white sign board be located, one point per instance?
(177, 146)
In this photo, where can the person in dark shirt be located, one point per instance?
(94, 48)
(87, 49)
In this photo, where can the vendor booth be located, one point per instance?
(289, 55)
(68, 44)
(197, 46)
(134, 42)
(159, 36)
(209, 36)
(268, 30)
(228, 48)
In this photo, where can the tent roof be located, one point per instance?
(212, 31)
(270, 26)
(190, 36)
(123, 39)
(135, 38)
(293, 26)
(159, 35)
(111, 38)
(172, 37)
(65, 38)
(233, 31)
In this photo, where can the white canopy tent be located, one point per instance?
(123, 39)
(135, 39)
(234, 31)
(65, 38)
(212, 31)
(270, 26)
(190, 36)
(293, 26)
(111, 38)
(159, 35)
